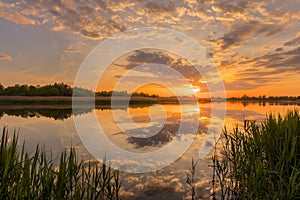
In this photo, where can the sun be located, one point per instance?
(196, 89)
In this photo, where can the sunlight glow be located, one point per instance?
(196, 89)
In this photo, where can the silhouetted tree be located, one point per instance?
(82, 92)
(53, 92)
(244, 97)
(1, 89)
(61, 89)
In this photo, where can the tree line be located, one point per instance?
(123, 93)
(56, 89)
(265, 98)
(61, 89)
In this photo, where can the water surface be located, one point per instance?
(54, 127)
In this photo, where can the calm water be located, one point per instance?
(54, 127)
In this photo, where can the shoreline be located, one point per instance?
(68, 100)
(106, 101)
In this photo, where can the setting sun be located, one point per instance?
(196, 89)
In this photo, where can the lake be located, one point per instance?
(54, 127)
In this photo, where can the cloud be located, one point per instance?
(231, 7)
(250, 83)
(10, 12)
(242, 31)
(181, 65)
(91, 19)
(141, 57)
(281, 62)
(5, 57)
(16, 17)
(293, 42)
(160, 7)
(70, 50)
(264, 70)
(98, 19)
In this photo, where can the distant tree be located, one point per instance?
(104, 93)
(64, 89)
(23, 90)
(32, 91)
(43, 91)
(123, 93)
(1, 89)
(12, 90)
(244, 97)
(61, 89)
(82, 92)
(53, 92)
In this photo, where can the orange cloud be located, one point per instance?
(70, 50)
(5, 57)
(11, 13)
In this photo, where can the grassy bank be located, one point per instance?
(260, 161)
(34, 176)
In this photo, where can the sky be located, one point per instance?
(255, 45)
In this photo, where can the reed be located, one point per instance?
(24, 176)
(260, 161)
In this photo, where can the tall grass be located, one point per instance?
(190, 179)
(36, 177)
(260, 161)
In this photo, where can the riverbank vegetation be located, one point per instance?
(62, 89)
(264, 98)
(260, 161)
(36, 176)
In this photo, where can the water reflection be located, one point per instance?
(52, 112)
(55, 128)
(245, 108)
(141, 117)
(56, 114)
(267, 103)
